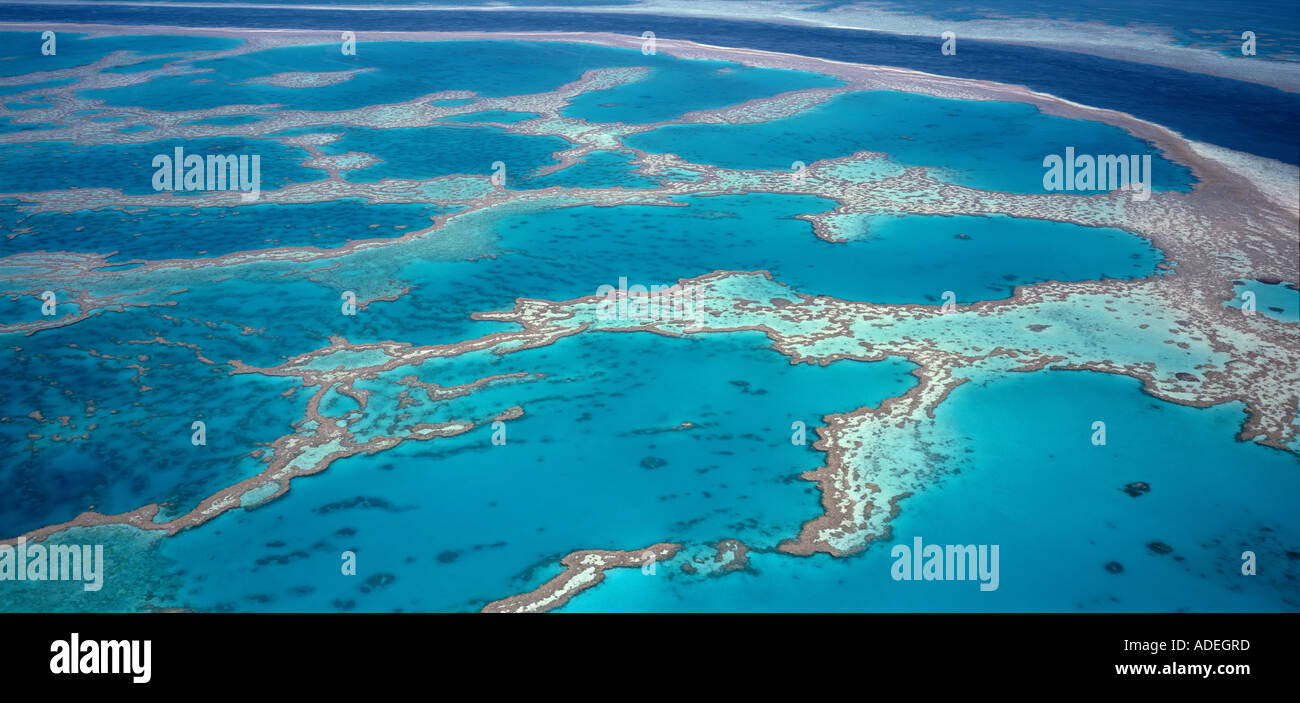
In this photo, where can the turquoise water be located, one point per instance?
(1035, 485)
(109, 401)
(506, 69)
(129, 167)
(141, 66)
(434, 152)
(1280, 301)
(968, 139)
(22, 50)
(229, 120)
(461, 521)
(760, 232)
(977, 258)
(490, 69)
(565, 253)
(8, 125)
(599, 169)
(24, 87)
(600, 458)
(35, 102)
(184, 232)
(677, 86)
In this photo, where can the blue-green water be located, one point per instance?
(129, 167)
(184, 232)
(53, 481)
(22, 50)
(601, 457)
(1280, 301)
(489, 69)
(599, 169)
(982, 144)
(593, 461)
(433, 152)
(24, 87)
(1036, 486)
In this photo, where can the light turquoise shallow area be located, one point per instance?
(1037, 487)
(1280, 301)
(32, 102)
(997, 146)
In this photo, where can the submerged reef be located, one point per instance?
(385, 373)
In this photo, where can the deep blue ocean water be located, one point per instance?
(1243, 116)
(1211, 25)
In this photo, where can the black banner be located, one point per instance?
(305, 651)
